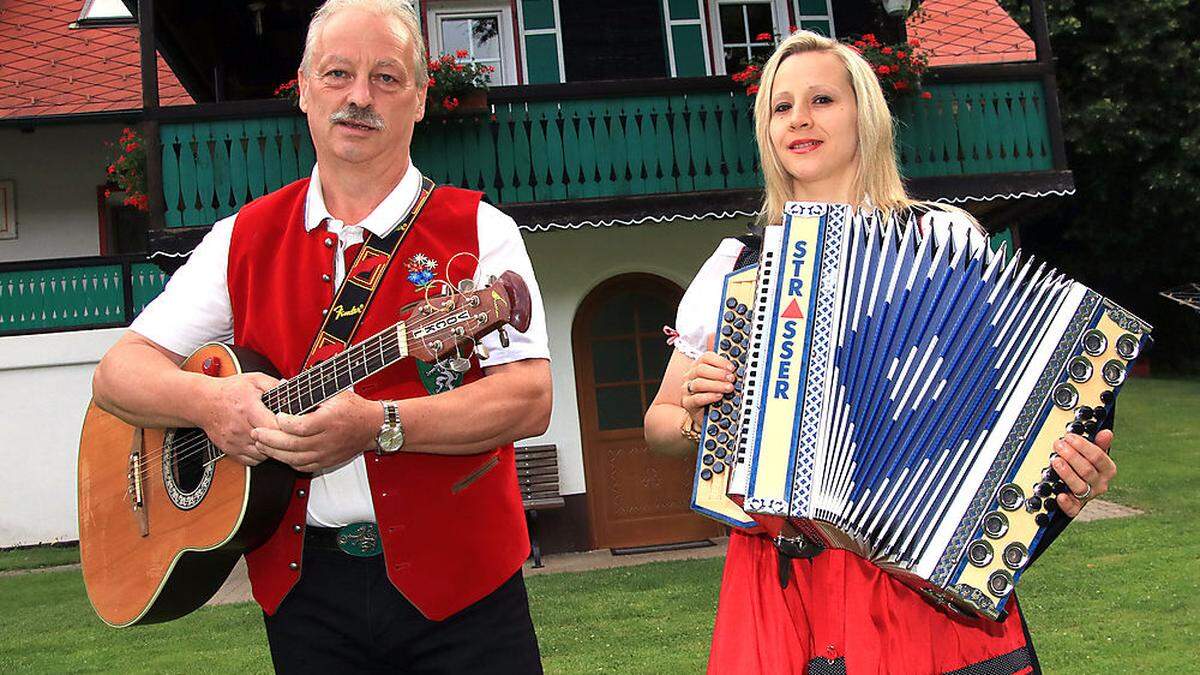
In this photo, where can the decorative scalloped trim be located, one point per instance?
(1009, 195)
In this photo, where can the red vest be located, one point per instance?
(444, 548)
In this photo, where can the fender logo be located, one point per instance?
(340, 312)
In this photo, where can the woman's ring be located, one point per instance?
(689, 386)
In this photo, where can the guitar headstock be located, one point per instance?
(445, 324)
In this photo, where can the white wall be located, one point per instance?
(569, 264)
(56, 170)
(45, 386)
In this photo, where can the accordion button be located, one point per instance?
(718, 468)
(1041, 519)
(1083, 414)
(712, 430)
(1011, 497)
(1060, 487)
(1051, 505)
(707, 459)
(1106, 397)
(720, 453)
(1050, 475)
(727, 330)
(722, 438)
(741, 309)
(725, 345)
(1076, 428)
(1099, 413)
(1089, 428)
(1043, 490)
(724, 424)
(741, 372)
(714, 415)
(731, 303)
(710, 444)
(995, 525)
(706, 474)
(739, 324)
(726, 408)
(728, 316)
(1033, 504)
(736, 351)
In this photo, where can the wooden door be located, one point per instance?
(635, 497)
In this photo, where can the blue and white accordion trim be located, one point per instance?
(901, 395)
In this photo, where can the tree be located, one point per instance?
(1129, 89)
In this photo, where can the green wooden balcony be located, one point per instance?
(554, 143)
(75, 293)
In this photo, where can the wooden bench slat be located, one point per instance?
(546, 503)
(548, 461)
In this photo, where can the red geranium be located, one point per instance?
(127, 171)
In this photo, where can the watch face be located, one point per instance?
(390, 440)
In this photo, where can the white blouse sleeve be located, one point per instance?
(696, 319)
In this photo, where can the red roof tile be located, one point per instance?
(47, 68)
(969, 31)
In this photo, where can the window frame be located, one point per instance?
(438, 11)
(779, 25)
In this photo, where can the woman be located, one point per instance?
(825, 134)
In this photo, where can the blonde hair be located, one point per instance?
(400, 10)
(877, 176)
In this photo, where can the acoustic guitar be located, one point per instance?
(163, 519)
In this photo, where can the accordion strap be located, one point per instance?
(751, 250)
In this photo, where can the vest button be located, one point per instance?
(383, 494)
(325, 312)
(297, 529)
(293, 565)
(301, 492)
(328, 242)
(325, 277)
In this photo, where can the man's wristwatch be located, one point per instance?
(391, 435)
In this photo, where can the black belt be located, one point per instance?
(357, 539)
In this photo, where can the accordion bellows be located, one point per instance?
(899, 396)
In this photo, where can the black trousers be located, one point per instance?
(345, 616)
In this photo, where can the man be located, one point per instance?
(429, 473)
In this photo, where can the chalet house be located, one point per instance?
(613, 134)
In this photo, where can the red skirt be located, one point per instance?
(841, 614)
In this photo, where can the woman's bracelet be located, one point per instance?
(688, 428)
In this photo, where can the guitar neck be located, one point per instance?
(327, 379)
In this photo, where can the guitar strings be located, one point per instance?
(387, 339)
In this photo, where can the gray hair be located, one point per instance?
(401, 10)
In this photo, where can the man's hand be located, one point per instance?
(234, 408)
(335, 432)
(1085, 467)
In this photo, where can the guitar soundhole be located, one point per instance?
(188, 466)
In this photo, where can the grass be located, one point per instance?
(1111, 596)
(38, 557)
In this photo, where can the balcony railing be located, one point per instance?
(75, 293)
(541, 147)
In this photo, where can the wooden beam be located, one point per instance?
(150, 105)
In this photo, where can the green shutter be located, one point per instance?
(688, 41)
(538, 14)
(541, 56)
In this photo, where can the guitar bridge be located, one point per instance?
(137, 492)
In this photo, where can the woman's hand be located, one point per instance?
(1085, 467)
(708, 379)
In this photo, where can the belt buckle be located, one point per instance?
(360, 540)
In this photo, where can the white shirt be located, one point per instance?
(696, 319)
(194, 308)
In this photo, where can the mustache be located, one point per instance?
(356, 115)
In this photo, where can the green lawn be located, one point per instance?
(41, 556)
(1111, 596)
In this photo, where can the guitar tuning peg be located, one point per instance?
(491, 279)
(466, 286)
(459, 365)
(481, 352)
(503, 335)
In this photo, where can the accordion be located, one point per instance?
(899, 396)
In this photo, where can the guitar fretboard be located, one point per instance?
(311, 387)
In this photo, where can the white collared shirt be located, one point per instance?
(194, 308)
